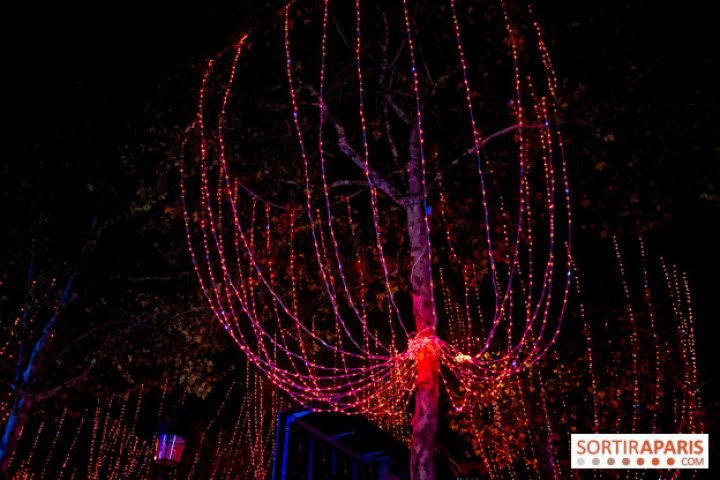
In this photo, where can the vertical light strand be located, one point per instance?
(421, 151)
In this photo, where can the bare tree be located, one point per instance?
(28, 349)
(341, 296)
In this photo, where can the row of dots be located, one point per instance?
(626, 461)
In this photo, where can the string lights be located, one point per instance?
(108, 442)
(314, 305)
(315, 301)
(572, 395)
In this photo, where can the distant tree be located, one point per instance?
(75, 329)
(29, 338)
(114, 437)
(626, 362)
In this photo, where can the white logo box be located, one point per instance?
(660, 451)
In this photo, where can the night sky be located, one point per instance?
(76, 69)
(76, 78)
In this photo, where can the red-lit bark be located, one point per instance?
(427, 389)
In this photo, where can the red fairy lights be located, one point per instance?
(108, 442)
(326, 350)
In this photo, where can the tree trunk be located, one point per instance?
(425, 420)
(427, 388)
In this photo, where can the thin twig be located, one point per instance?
(376, 179)
(483, 142)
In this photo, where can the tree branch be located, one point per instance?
(386, 98)
(402, 115)
(385, 66)
(142, 279)
(24, 399)
(347, 183)
(8, 385)
(38, 351)
(483, 142)
(376, 179)
(39, 397)
(26, 313)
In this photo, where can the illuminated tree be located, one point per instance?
(449, 259)
(627, 366)
(114, 438)
(26, 346)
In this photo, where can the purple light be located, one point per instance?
(169, 449)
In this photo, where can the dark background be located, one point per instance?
(640, 79)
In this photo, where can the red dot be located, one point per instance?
(626, 461)
(656, 461)
(671, 461)
(640, 461)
